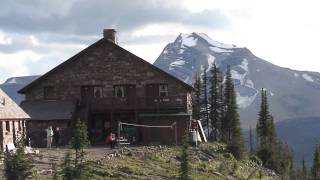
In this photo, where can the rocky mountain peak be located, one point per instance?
(287, 89)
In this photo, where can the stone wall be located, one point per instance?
(106, 65)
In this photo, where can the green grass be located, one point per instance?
(210, 161)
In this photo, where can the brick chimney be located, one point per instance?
(110, 34)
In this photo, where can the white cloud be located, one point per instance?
(282, 32)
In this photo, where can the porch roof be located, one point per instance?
(49, 110)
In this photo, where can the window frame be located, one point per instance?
(165, 90)
(99, 89)
(121, 87)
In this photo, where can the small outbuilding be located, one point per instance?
(12, 122)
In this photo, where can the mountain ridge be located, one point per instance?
(191, 53)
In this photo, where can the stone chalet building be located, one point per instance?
(105, 84)
(12, 121)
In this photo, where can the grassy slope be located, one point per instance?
(210, 161)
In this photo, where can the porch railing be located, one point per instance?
(166, 102)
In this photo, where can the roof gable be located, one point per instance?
(91, 47)
(9, 109)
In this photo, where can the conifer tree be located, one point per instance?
(236, 143)
(77, 168)
(315, 170)
(216, 102)
(266, 133)
(304, 172)
(68, 171)
(185, 167)
(196, 98)
(78, 142)
(17, 166)
(251, 140)
(231, 120)
(205, 101)
(227, 119)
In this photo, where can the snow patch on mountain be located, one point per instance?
(177, 63)
(245, 101)
(244, 64)
(249, 83)
(307, 77)
(271, 93)
(210, 61)
(220, 50)
(216, 43)
(236, 75)
(240, 76)
(296, 74)
(188, 40)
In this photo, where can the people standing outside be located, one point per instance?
(56, 137)
(111, 140)
(49, 136)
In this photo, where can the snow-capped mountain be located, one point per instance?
(292, 93)
(12, 85)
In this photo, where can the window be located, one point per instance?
(49, 93)
(163, 90)
(97, 92)
(119, 91)
(8, 126)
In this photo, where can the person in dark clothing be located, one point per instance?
(56, 137)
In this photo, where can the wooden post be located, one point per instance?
(118, 139)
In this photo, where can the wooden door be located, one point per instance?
(152, 93)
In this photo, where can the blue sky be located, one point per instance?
(36, 35)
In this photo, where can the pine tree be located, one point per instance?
(315, 170)
(205, 101)
(196, 98)
(266, 133)
(185, 167)
(78, 142)
(68, 171)
(236, 143)
(231, 121)
(227, 120)
(17, 166)
(251, 140)
(304, 172)
(77, 168)
(216, 102)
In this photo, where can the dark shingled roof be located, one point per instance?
(49, 110)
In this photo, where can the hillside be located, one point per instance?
(210, 161)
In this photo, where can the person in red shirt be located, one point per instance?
(111, 140)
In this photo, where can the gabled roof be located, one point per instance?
(9, 110)
(49, 110)
(86, 50)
